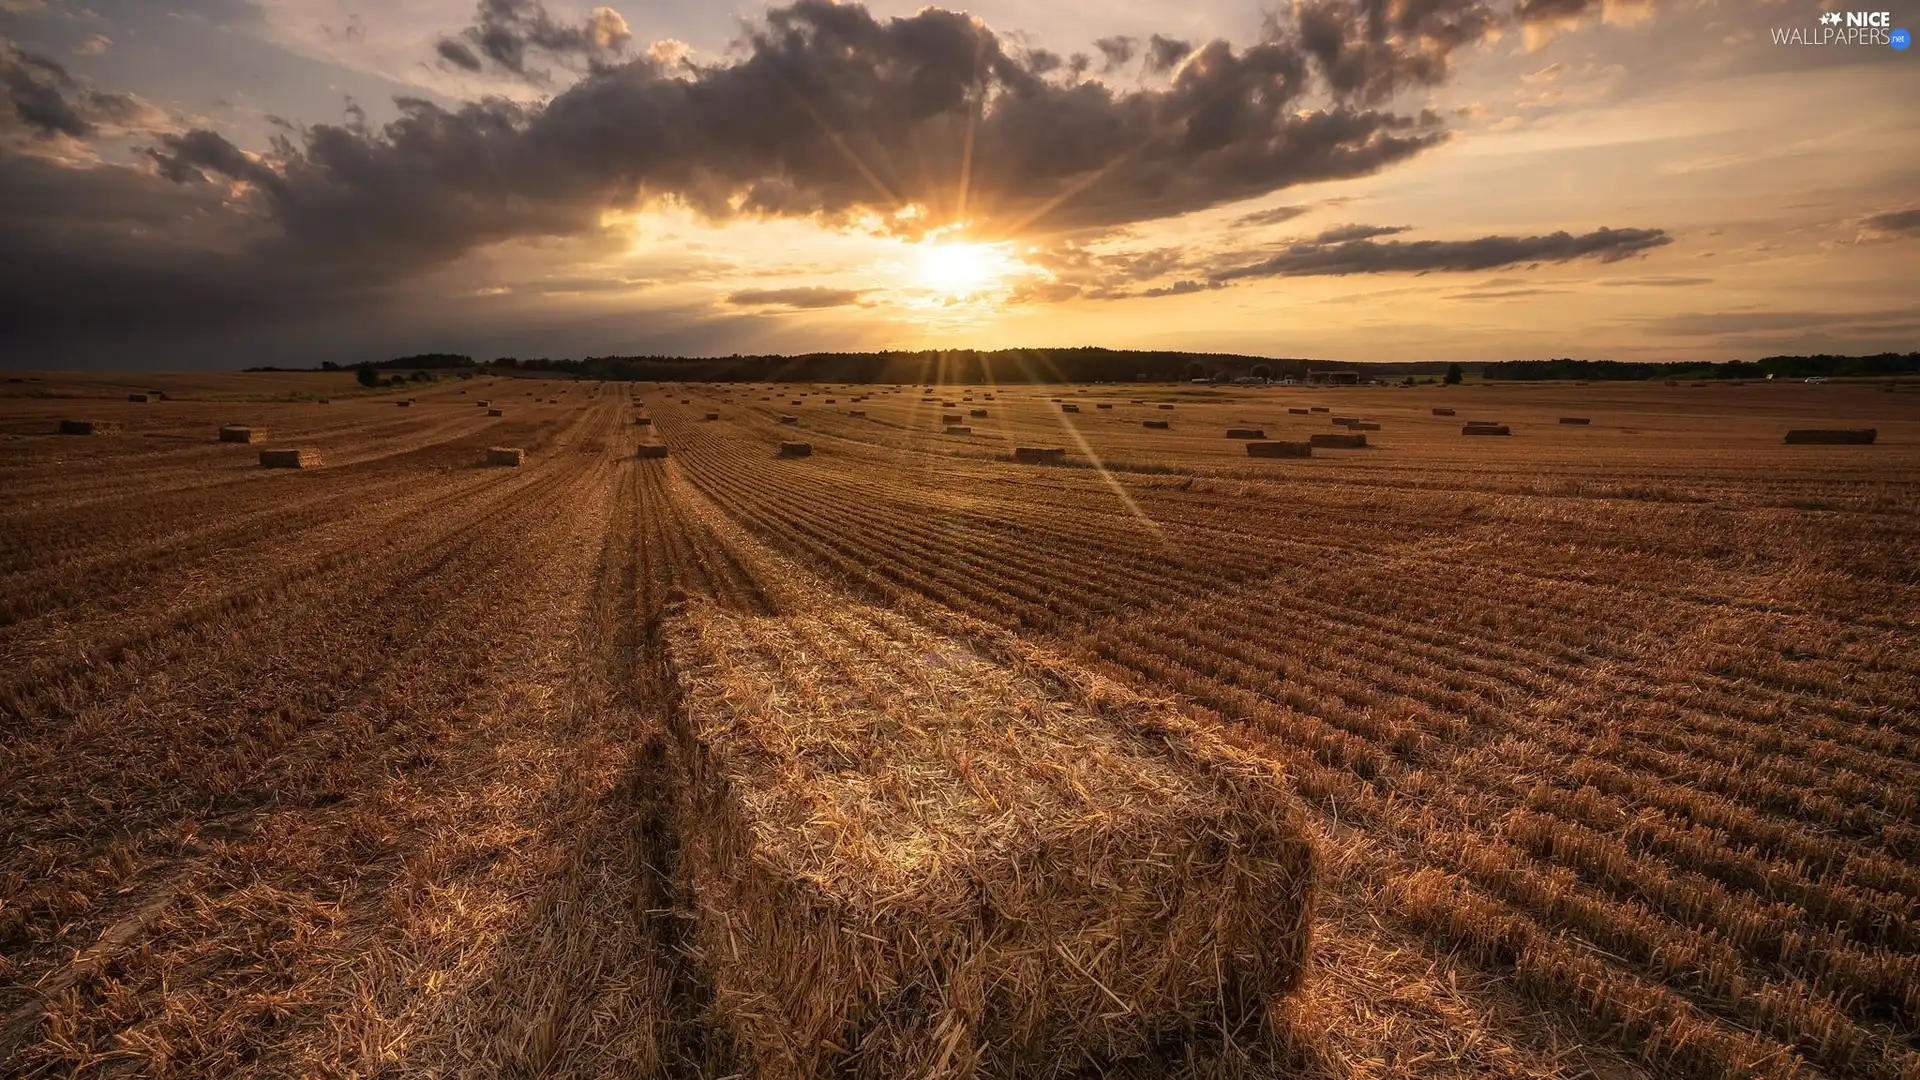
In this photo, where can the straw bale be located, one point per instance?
(139, 399)
(643, 421)
(1332, 441)
(1576, 420)
(301, 458)
(951, 418)
(1069, 408)
(1103, 405)
(796, 449)
(1300, 412)
(651, 450)
(857, 412)
(1363, 425)
(1166, 406)
(1343, 421)
(1055, 876)
(1245, 433)
(1484, 428)
(1443, 412)
(1319, 408)
(789, 418)
(1039, 455)
(496, 412)
(1839, 436)
(686, 401)
(324, 401)
(958, 429)
(240, 434)
(1160, 424)
(505, 455)
(713, 416)
(89, 427)
(976, 413)
(1280, 449)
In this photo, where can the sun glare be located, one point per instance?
(959, 270)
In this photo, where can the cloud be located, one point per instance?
(48, 102)
(1708, 324)
(807, 297)
(1182, 288)
(93, 46)
(505, 32)
(1316, 258)
(1340, 234)
(1503, 294)
(1658, 281)
(1272, 215)
(1895, 221)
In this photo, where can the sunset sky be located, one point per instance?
(211, 183)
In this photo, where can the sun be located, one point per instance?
(956, 270)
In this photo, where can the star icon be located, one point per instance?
(1828, 18)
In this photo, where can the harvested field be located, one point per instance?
(1603, 736)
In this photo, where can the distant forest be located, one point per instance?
(1114, 365)
(1785, 367)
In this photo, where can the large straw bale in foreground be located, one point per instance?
(891, 884)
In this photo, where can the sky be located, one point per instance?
(219, 183)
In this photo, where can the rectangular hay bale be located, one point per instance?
(713, 416)
(237, 433)
(796, 449)
(1161, 425)
(1059, 875)
(1334, 441)
(1485, 429)
(301, 458)
(789, 418)
(651, 451)
(505, 455)
(951, 418)
(643, 421)
(1039, 455)
(1576, 420)
(140, 399)
(1279, 449)
(89, 427)
(1069, 408)
(1443, 412)
(496, 412)
(976, 413)
(1300, 412)
(1246, 433)
(958, 429)
(1833, 436)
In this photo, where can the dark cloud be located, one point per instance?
(46, 101)
(1273, 215)
(1340, 234)
(1117, 50)
(1658, 281)
(506, 32)
(1503, 294)
(1316, 258)
(1165, 53)
(1372, 49)
(1895, 221)
(810, 296)
(1182, 288)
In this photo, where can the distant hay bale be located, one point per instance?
(405, 403)
(1480, 428)
(1299, 412)
(713, 416)
(1159, 424)
(1333, 441)
(1673, 382)
(1280, 449)
(686, 401)
(833, 401)
(324, 401)
(1363, 425)
(89, 427)
(1069, 408)
(862, 413)
(157, 395)
(1103, 405)
(958, 429)
(977, 413)
(1039, 455)
(1026, 886)
(1576, 420)
(139, 399)
(1343, 421)
(1834, 436)
(496, 412)
(302, 458)
(505, 455)
(796, 449)
(1166, 406)
(241, 434)
(643, 421)
(1443, 412)
(1319, 408)
(651, 451)
(789, 418)
(1246, 433)
(951, 418)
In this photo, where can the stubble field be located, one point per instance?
(1608, 735)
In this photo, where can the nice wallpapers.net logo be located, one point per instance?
(1846, 28)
